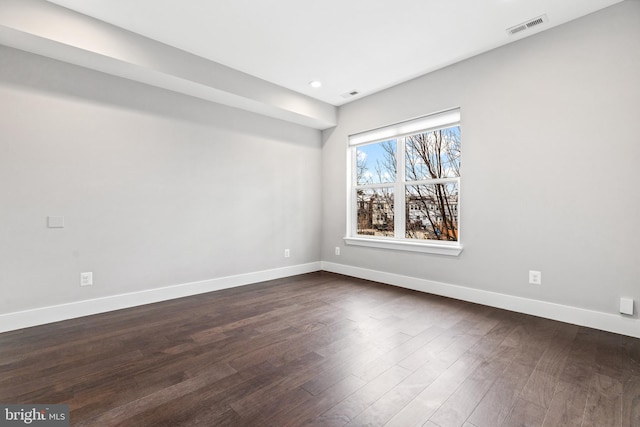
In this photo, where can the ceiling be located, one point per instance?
(348, 45)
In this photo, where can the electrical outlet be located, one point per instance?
(287, 253)
(86, 279)
(338, 250)
(535, 277)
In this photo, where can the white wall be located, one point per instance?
(44, 28)
(156, 188)
(160, 189)
(550, 166)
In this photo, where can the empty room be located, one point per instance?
(337, 213)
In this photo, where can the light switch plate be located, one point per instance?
(55, 221)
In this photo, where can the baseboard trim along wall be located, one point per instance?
(577, 316)
(56, 313)
(568, 314)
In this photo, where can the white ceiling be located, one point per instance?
(363, 45)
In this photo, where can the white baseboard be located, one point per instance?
(55, 313)
(578, 316)
(568, 314)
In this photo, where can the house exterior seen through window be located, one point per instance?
(405, 185)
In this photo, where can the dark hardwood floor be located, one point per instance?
(323, 350)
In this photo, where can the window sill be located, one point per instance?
(452, 249)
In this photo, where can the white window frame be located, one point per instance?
(432, 122)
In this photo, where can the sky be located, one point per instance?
(371, 154)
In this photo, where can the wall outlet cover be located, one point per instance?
(86, 279)
(535, 277)
(626, 306)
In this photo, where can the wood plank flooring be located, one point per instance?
(323, 350)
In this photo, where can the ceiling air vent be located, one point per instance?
(526, 25)
(350, 94)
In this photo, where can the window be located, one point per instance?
(405, 185)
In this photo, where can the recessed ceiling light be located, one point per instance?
(315, 84)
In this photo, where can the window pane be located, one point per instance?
(375, 212)
(434, 154)
(432, 211)
(376, 163)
